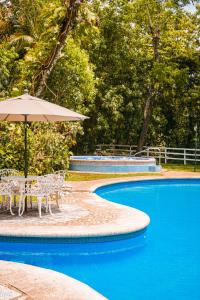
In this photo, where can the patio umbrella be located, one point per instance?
(26, 108)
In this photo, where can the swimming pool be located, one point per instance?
(163, 263)
(113, 164)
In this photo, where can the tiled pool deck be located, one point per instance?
(82, 214)
(25, 282)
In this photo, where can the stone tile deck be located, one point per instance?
(7, 292)
(84, 215)
(25, 282)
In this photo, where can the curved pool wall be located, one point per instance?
(72, 240)
(113, 164)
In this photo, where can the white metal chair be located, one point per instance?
(59, 185)
(42, 189)
(66, 188)
(6, 192)
(6, 173)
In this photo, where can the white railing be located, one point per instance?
(162, 154)
(113, 149)
(166, 154)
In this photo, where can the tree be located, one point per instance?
(165, 25)
(132, 66)
(69, 83)
(145, 58)
(68, 22)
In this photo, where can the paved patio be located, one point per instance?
(81, 215)
(25, 282)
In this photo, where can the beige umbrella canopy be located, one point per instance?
(26, 108)
(34, 109)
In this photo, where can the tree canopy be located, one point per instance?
(131, 66)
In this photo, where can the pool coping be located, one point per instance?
(129, 220)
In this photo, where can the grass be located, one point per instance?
(76, 176)
(179, 167)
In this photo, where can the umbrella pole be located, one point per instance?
(25, 154)
(25, 149)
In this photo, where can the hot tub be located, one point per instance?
(113, 164)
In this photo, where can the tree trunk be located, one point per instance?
(148, 108)
(146, 120)
(69, 21)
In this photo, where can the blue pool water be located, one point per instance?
(163, 263)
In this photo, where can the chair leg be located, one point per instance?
(46, 204)
(57, 199)
(6, 202)
(49, 207)
(31, 201)
(21, 205)
(15, 198)
(39, 200)
(10, 205)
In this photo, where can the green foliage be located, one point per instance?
(8, 64)
(11, 146)
(127, 72)
(33, 29)
(48, 146)
(72, 83)
(107, 70)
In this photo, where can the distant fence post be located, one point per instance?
(185, 161)
(159, 157)
(196, 141)
(165, 155)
